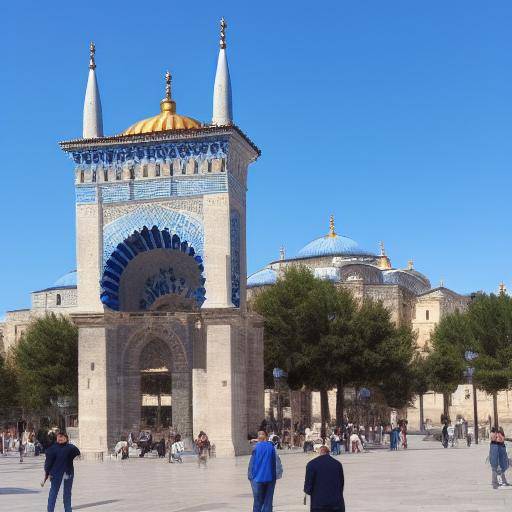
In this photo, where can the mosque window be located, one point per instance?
(157, 170)
(171, 169)
(209, 166)
(118, 174)
(94, 175)
(183, 167)
(82, 176)
(223, 165)
(58, 300)
(427, 315)
(196, 167)
(132, 172)
(145, 171)
(105, 175)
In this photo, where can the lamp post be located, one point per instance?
(471, 356)
(278, 374)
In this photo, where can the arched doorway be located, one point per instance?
(155, 386)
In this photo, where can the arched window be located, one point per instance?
(144, 171)
(105, 174)
(427, 315)
(196, 167)
(58, 300)
(94, 176)
(223, 165)
(82, 176)
(118, 174)
(183, 167)
(209, 166)
(157, 170)
(171, 168)
(132, 172)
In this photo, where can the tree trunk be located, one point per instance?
(495, 408)
(422, 419)
(340, 403)
(446, 406)
(324, 408)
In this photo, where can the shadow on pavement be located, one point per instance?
(95, 504)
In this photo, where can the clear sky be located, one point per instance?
(394, 116)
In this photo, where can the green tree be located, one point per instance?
(445, 363)
(490, 323)
(420, 382)
(8, 384)
(46, 361)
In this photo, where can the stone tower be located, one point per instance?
(161, 262)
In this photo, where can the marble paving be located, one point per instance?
(424, 478)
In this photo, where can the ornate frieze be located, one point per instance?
(235, 257)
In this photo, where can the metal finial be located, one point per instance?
(281, 253)
(223, 27)
(441, 283)
(382, 248)
(168, 79)
(92, 51)
(502, 288)
(331, 226)
(410, 265)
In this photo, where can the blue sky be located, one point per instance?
(395, 116)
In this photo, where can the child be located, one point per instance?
(177, 448)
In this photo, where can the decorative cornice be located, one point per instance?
(164, 136)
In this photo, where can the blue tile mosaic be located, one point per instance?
(186, 227)
(235, 257)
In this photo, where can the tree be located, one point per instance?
(490, 322)
(46, 361)
(420, 382)
(445, 364)
(8, 384)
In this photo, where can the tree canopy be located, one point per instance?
(46, 361)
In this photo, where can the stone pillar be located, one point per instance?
(89, 248)
(217, 251)
(92, 389)
(255, 381)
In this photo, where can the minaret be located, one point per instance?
(222, 106)
(93, 120)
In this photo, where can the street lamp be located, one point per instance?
(278, 374)
(471, 356)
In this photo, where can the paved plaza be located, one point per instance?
(423, 478)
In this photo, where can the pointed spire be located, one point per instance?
(502, 288)
(222, 104)
(382, 248)
(93, 120)
(410, 265)
(282, 253)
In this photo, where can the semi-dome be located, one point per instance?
(66, 280)
(166, 120)
(331, 244)
(264, 277)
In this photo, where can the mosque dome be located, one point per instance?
(66, 280)
(264, 277)
(331, 244)
(166, 120)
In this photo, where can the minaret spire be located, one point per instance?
(93, 119)
(222, 104)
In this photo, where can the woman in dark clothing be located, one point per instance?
(160, 448)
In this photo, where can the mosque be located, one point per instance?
(160, 291)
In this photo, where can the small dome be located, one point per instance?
(264, 277)
(66, 280)
(329, 245)
(166, 120)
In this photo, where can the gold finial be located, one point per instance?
(167, 104)
(410, 265)
(382, 248)
(223, 27)
(281, 253)
(92, 51)
(332, 233)
(441, 283)
(502, 288)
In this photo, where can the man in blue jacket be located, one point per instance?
(324, 483)
(59, 468)
(264, 469)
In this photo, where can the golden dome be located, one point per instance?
(166, 120)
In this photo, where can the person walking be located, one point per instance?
(263, 471)
(324, 483)
(59, 468)
(498, 457)
(203, 448)
(177, 448)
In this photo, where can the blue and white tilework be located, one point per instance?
(235, 257)
(153, 152)
(151, 189)
(185, 226)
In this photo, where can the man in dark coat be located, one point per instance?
(324, 483)
(59, 468)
